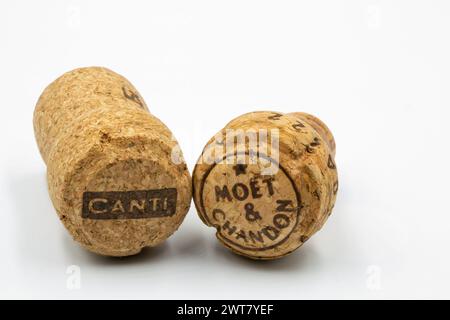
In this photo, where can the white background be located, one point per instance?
(377, 72)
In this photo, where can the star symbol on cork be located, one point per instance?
(240, 169)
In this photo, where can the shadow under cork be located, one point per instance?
(77, 253)
(302, 259)
(34, 218)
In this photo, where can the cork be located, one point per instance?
(116, 175)
(267, 182)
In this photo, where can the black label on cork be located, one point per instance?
(129, 204)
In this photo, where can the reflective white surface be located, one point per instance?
(377, 72)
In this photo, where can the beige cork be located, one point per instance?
(267, 182)
(115, 174)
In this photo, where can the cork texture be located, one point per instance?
(115, 174)
(261, 213)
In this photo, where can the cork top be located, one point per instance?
(267, 182)
(74, 95)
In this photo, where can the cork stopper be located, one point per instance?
(267, 182)
(115, 174)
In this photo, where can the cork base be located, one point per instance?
(260, 228)
(122, 220)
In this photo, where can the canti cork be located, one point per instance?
(267, 182)
(115, 174)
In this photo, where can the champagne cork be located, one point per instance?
(115, 174)
(267, 182)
